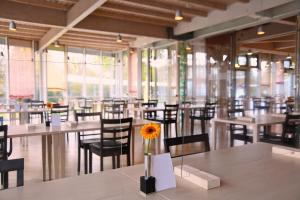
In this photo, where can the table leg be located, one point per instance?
(186, 121)
(56, 155)
(49, 149)
(255, 133)
(214, 135)
(62, 154)
(44, 156)
(133, 141)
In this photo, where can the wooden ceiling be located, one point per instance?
(99, 29)
(279, 39)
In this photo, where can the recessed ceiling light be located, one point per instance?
(12, 26)
(178, 15)
(260, 30)
(119, 38)
(249, 53)
(56, 44)
(289, 57)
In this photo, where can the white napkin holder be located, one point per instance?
(30, 127)
(200, 178)
(246, 119)
(72, 124)
(55, 120)
(286, 151)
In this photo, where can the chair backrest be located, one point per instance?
(115, 133)
(292, 121)
(37, 104)
(149, 105)
(155, 101)
(4, 154)
(13, 165)
(63, 111)
(186, 103)
(83, 116)
(210, 110)
(171, 112)
(236, 113)
(187, 140)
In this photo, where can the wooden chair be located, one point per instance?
(36, 104)
(170, 115)
(290, 131)
(238, 132)
(114, 141)
(86, 138)
(149, 115)
(187, 140)
(63, 111)
(203, 114)
(4, 152)
(12, 165)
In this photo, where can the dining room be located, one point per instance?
(160, 99)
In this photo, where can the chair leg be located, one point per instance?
(78, 159)
(90, 162)
(165, 131)
(203, 126)
(118, 161)
(85, 160)
(128, 159)
(113, 162)
(101, 163)
(176, 130)
(231, 140)
(5, 179)
(192, 126)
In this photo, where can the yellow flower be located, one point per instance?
(150, 131)
(49, 105)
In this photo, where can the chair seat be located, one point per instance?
(200, 117)
(109, 148)
(89, 141)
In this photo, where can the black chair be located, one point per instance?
(36, 104)
(86, 138)
(203, 114)
(259, 105)
(149, 115)
(85, 104)
(114, 141)
(290, 127)
(116, 108)
(12, 165)
(63, 112)
(238, 132)
(4, 152)
(170, 115)
(187, 140)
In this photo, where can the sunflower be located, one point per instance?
(49, 105)
(150, 131)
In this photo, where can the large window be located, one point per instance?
(108, 75)
(21, 69)
(3, 67)
(92, 73)
(56, 75)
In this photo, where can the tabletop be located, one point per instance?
(247, 172)
(65, 127)
(266, 119)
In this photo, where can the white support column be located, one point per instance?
(297, 68)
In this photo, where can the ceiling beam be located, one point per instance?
(107, 12)
(78, 12)
(207, 4)
(122, 7)
(107, 24)
(32, 14)
(272, 31)
(168, 6)
(285, 45)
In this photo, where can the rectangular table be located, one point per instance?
(53, 139)
(260, 120)
(247, 172)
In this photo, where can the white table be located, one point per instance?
(260, 120)
(247, 172)
(53, 139)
